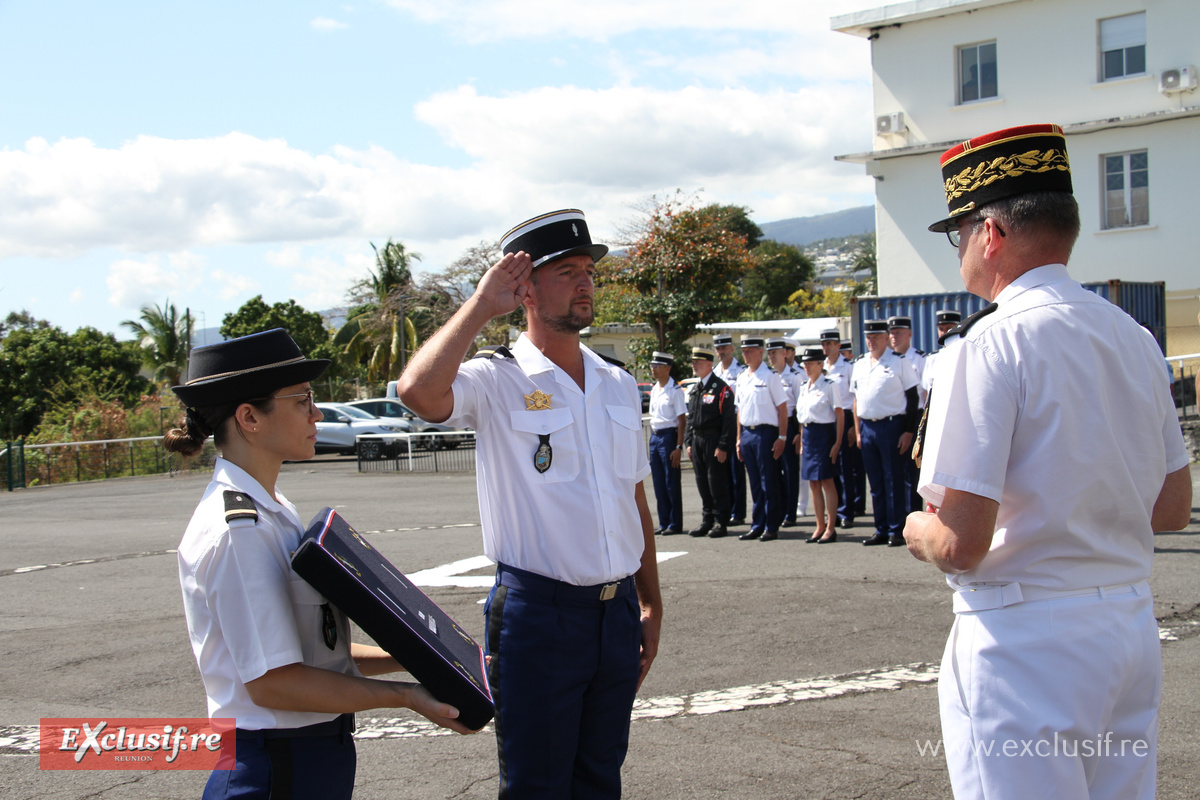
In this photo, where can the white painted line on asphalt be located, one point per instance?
(453, 574)
(81, 562)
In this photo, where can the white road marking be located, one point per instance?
(453, 574)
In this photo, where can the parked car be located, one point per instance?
(645, 388)
(687, 384)
(448, 438)
(339, 430)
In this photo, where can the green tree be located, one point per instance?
(682, 268)
(811, 301)
(778, 271)
(42, 366)
(163, 336)
(864, 262)
(379, 331)
(306, 327)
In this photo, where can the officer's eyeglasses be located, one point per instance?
(307, 394)
(955, 238)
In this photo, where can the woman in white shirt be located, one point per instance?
(819, 413)
(273, 654)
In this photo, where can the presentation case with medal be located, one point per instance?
(339, 563)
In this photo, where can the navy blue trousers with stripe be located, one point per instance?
(563, 674)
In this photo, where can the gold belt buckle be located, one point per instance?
(608, 591)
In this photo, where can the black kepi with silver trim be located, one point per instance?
(551, 236)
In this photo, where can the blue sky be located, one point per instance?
(208, 152)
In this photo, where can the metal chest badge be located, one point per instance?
(544, 455)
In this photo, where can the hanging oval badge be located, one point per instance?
(544, 454)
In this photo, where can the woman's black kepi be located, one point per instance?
(246, 368)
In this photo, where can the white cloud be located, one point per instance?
(545, 148)
(325, 24)
(76, 297)
(230, 285)
(133, 284)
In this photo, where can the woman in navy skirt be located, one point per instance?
(820, 416)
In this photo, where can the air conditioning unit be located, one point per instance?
(889, 124)
(1177, 79)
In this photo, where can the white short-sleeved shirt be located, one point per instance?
(840, 372)
(247, 611)
(759, 394)
(879, 386)
(1054, 406)
(578, 521)
(818, 400)
(791, 388)
(666, 406)
(730, 375)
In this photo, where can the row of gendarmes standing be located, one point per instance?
(1044, 501)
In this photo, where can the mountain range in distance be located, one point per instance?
(800, 231)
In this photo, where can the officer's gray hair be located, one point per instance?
(1036, 213)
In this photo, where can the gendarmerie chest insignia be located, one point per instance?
(538, 401)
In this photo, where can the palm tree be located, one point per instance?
(381, 333)
(163, 337)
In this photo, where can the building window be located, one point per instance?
(977, 72)
(1122, 46)
(1126, 189)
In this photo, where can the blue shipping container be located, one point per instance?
(1145, 302)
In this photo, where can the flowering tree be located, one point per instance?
(683, 268)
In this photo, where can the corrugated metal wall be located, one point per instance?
(1145, 302)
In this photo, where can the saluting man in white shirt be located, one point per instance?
(560, 464)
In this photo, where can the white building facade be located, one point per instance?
(1119, 76)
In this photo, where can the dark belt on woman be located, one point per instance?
(343, 724)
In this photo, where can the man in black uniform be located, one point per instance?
(709, 438)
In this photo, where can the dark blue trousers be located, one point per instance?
(762, 473)
(737, 486)
(564, 669)
(275, 765)
(885, 470)
(668, 485)
(789, 472)
(849, 462)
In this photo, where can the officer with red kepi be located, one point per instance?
(1046, 500)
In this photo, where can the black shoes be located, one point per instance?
(753, 533)
(769, 536)
(845, 522)
(701, 531)
(897, 541)
(878, 538)
(671, 532)
(717, 532)
(814, 539)
(735, 522)
(829, 540)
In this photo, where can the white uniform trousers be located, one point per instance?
(1053, 698)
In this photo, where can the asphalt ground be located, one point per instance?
(785, 671)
